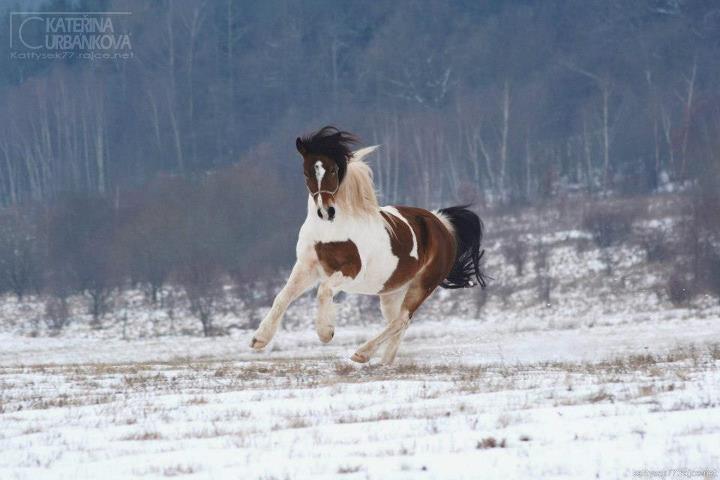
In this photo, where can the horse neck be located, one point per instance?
(344, 218)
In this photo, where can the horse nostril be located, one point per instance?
(331, 212)
(319, 213)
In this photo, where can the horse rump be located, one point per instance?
(467, 229)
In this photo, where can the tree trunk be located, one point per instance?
(606, 136)
(504, 140)
(100, 151)
(528, 164)
(689, 98)
(587, 144)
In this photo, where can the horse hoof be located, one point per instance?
(257, 344)
(326, 335)
(359, 358)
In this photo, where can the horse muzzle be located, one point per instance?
(325, 205)
(326, 214)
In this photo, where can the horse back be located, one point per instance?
(422, 244)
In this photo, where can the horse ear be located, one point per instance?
(300, 146)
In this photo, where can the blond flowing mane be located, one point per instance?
(356, 194)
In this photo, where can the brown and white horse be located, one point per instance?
(349, 243)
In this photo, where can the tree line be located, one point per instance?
(178, 166)
(498, 101)
(195, 234)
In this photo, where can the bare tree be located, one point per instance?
(202, 284)
(604, 84)
(20, 254)
(516, 253)
(543, 278)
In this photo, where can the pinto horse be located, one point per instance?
(350, 243)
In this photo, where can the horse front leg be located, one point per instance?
(303, 277)
(325, 321)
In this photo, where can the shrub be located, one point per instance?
(701, 240)
(678, 289)
(20, 253)
(57, 313)
(480, 297)
(712, 276)
(608, 226)
(542, 271)
(516, 253)
(202, 283)
(656, 250)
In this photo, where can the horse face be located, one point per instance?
(322, 180)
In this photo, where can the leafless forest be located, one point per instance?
(175, 171)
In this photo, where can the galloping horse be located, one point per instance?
(349, 243)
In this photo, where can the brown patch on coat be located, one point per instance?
(339, 257)
(401, 244)
(436, 251)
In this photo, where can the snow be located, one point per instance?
(609, 380)
(570, 403)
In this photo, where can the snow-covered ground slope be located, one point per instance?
(586, 285)
(603, 377)
(466, 400)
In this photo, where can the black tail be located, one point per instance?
(468, 235)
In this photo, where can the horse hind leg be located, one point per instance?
(391, 348)
(440, 242)
(368, 349)
(415, 296)
(390, 305)
(412, 300)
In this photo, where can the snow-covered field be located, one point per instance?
(606, 379)
(467, 399)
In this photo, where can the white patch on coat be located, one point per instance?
(319, 174)
(445, 221)
(369, 236)
(396, 213)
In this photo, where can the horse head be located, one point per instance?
(325, 157)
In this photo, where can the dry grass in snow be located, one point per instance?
(493, 403)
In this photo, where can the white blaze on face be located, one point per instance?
(319, 174)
